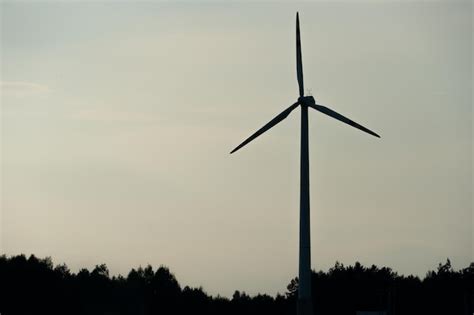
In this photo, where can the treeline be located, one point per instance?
(35, 286)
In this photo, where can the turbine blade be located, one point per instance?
(299, 62)
(339, 117)
(269, 125)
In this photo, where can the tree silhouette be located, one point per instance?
(35, 286)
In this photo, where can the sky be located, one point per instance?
(117, 120)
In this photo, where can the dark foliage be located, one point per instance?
(35, 286)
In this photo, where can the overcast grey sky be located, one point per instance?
(118, 118)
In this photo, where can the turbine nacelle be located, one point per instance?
(306, 100)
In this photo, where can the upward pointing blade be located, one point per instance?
(269, 125)
(299, 62)
(333, 114)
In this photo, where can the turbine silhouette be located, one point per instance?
(304, 305)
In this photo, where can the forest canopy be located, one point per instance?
(35, 286)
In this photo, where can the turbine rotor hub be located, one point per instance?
(306, 100)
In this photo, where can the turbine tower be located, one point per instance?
(304, 304)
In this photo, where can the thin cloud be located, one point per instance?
(23, 87)
(112, 116)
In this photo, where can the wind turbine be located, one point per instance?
(304, 304)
